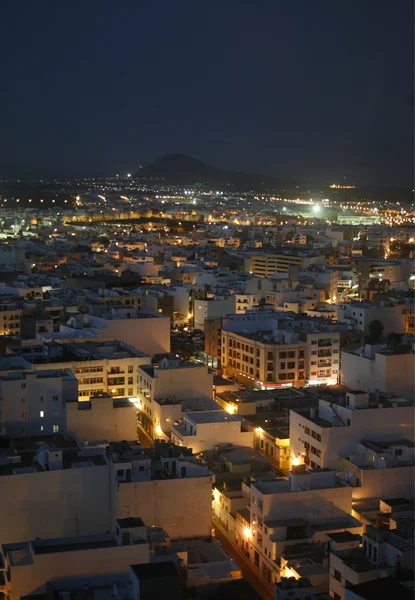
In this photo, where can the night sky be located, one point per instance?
(311, 90)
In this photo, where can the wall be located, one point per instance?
(386, 483)
(204, 309)
(99, 561)
(102, 421)
(183, 507)
(210, 434)
(151, 336)
(54, 503)
(387, 372)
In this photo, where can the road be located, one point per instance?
(248, 572)
(143, 437)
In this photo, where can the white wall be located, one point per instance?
(102, 421)
(182, 506)
(98, 561)
(54, 503)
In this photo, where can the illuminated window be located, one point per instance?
(42, 413)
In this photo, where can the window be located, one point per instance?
(130, 391)
(42, 414)
(120, 473)
(41, 398)
(314, 343)
(291, 354)
(270, 356)
(24, 431)
(130, 380)
(283, 355)
(24, 415)
(55, 398)
(130, 368)
(399, 452)
(41, 428)
(307, 430)
(23, 400)
(291, 365)
(55, 428)
(23, 386)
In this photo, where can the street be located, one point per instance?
(248, 571)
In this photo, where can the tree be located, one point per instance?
(375, 331)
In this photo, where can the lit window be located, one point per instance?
(55, 428)
(42, 413)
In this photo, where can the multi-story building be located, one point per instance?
(203, 430)
(33, 403)
(323, 356)
(148, 332)
(30, 565)
(263, 359)
(165, 485)
(167, 388)
(359, 315)
(339, 423)
(286, 511)
(265, 265)
(375, 367)
(52, 487)
(100, 366)
(102, 417)
(10, 316)
(212, 307)
(382, 553)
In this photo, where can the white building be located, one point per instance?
(53, 490)
(100, 366)
(376, 368)
(101, 418)
(34, 403)
(212, 307)
(165, 485)
(318, 439)
(379, 470)
(382, 553)
(284, 512)
(57, 489)
(32, 564)
(168, 388)
(359, 315)
(206, 429)
(148, 332)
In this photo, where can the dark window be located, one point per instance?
(120, 472)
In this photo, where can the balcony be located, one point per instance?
(324, 363)
(324, 353)
(325, 343)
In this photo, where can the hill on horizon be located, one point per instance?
(183, 169)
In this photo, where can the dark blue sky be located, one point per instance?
(314, 90)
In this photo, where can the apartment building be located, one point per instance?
(382, 553)
(340, 422)
(33, 403)
(30, 565)
(322, 356)
(166, 389)
(262, 359)
(148, 332)
(102, 417)
(265, 265)
(100, 366)
(379, 469)
(212, 307)
(283, 512)
(359, 314)
(203, 430)
(52, 486)
(165, 485)
(375, 367)
(10, 316)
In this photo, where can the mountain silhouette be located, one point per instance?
(182, 169)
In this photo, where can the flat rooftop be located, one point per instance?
(212, 416)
